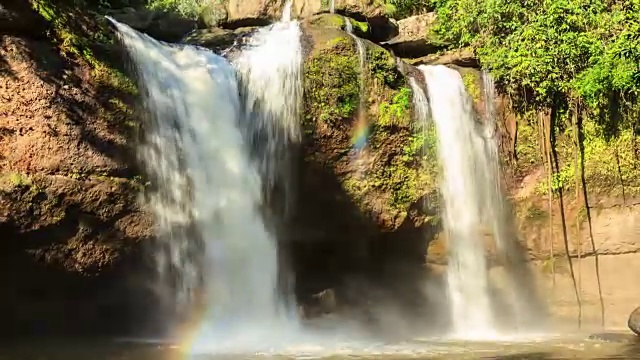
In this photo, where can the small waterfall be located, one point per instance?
(270, 72)
(362, 54)
(464, 185)
(332, 6)
(286, 12)
(360, 138)
(526, 311)
(207, 194)
(420, 101)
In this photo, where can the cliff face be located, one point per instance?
(69, 218)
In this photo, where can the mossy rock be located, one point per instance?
(388, 178)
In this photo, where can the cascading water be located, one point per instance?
(361, 131)
(270, 71)
(464, 161)
(332, 6)
(474, 207)
(526, 312)
(420, 102)
(208, 186)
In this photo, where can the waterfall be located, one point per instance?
(360, 137)
(420, 102)
(525, 310)
(362, 54)
(207, 188)
(286, 12)
(475, 211)
(332, 6)
(270, 72)
(464, 160)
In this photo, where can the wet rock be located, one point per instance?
(213, 14)
(634, 321)
(241, 13)
(414, 39)
(218, 39)
(160, 25)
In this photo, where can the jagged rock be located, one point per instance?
(218, 39)
(241, 13)
(213, 14)
(634, 321)
(414, 39)
(242, 10)
(461, 57)
(157, 24)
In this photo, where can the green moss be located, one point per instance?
(329, 21)
(18, 179)
(331, 83)
(339, 41)
(397, 112)
(360, 27)
(382, 66)
(471, 81)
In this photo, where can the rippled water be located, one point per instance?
(603, 346)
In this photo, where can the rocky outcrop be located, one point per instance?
(218, 39)
(159, 25)
(363, 211)
(239, 11)
(460, 57)
(71, 226)
(634, 321)
(414, 38)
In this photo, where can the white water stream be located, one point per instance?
(208, 182)
(464, 160)
(475, 214)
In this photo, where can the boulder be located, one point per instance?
(159, 25)
(245, 13)
(218, 39)
(414, 37)
(213, 14)
(242, 13)
(634, 321)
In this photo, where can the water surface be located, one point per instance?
(601, 346)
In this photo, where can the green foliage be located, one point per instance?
(405, 8)
(361, 27)
(18, 179)
(78, 31)
(582, 53)
(583, 49)
(331, 83)
(187, 8)
(528, 144)
(396, 112)
(470, 81)
(382, 66)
